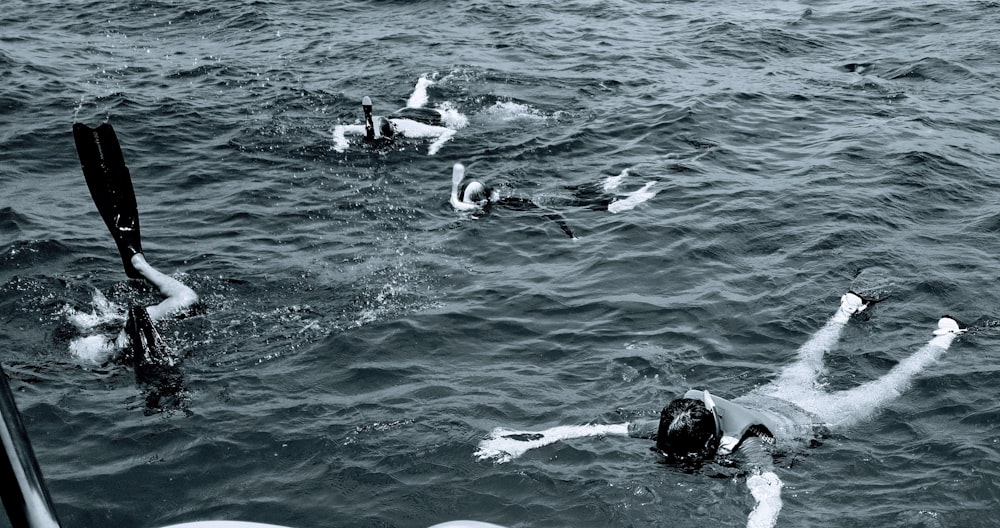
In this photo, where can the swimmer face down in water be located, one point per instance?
(475, 196)
(413, 121)
(110, 185)
(470, 195)
(699, 427)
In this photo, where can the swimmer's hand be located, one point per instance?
(766, 491)
(504, 445)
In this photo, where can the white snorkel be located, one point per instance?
(366, 105)
(726, 443)
(710, 405)
(457, 175)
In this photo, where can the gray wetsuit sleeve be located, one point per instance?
(757, 453)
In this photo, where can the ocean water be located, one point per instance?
(357, 338)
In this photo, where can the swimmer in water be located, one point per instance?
(412, 121)
(474, 196)
(699, 427)
(111, 188)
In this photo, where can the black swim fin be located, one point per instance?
(111, 188)
(157, 369)
(149, 351)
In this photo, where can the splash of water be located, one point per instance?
(511, 111)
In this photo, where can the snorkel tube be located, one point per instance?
(710, 405)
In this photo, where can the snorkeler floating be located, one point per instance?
(111, 188)
(473, 196)
(470, 195)
(700, 427)
(476, 196)
(413, 121)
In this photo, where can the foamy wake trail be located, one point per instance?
(419, 96)
(504, 445)
(632, 199)
(766, 491)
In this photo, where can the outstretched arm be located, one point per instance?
(763, 483)
(504, 445)
(766, 490)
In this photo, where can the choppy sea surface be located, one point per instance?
(357, 338)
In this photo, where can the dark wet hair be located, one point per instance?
(386, 128)
(687, 431)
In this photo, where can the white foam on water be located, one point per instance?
(451, 117)
(502, 445)
(95, 349)
(632, 199)
(511, 111)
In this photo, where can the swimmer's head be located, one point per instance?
(472, 195)
(688, 431)
(476, 192)
(386, 128)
